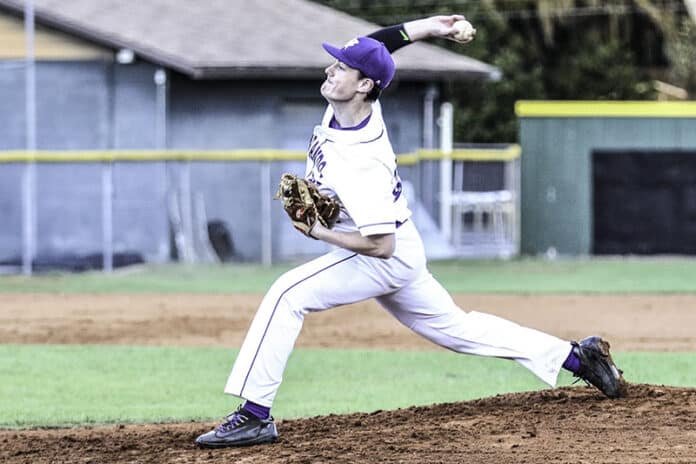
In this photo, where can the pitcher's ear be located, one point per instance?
(366, 85)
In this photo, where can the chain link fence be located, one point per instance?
(86, 210)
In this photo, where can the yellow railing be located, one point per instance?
(95, 156)
(605, 109)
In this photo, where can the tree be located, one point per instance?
(682, 53)
(546, 49)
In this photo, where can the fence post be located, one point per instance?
(29, 176)
(186, 205)
(28, 216)
(266, 231)
(446, 141)
(429, 121)
(107, 217)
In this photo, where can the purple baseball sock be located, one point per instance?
(572, 362)
(262, 412)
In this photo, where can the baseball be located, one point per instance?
(465, 31)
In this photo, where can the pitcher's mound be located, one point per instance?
(573, 424)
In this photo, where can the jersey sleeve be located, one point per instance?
(369, 200)
(393, 37)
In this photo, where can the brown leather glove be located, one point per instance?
(305, 205)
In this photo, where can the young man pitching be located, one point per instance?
(379, 252)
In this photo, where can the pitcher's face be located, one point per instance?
(342, 82)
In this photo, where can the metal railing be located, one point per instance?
(177, 192)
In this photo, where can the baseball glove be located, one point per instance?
(305, 204)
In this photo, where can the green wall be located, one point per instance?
(557, 140)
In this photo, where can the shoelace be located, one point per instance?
(233, 420)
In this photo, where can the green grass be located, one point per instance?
(238, 278)
(51, 385)
(596, 275)
(605, 275)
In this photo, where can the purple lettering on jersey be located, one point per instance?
(313, 147)
(398, 188)
(315, 154)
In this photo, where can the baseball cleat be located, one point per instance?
(597, 368)
(241, 428)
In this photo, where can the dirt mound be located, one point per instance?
(566, 425)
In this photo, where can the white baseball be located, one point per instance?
(465, 31)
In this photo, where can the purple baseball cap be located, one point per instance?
(368, 55)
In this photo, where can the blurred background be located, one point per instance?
(156, 131)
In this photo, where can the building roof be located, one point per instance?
(49, 44)
(216, 39)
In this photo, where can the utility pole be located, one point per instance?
(29, 175)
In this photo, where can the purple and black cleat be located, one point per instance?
(597, 368)
(241, 428)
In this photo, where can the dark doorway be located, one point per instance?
(644, 202)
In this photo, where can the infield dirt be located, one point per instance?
(655, 424)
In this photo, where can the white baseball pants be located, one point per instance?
(405, 288)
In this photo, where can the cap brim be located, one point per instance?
(338, 54)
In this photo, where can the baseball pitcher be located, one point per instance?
(351, 197)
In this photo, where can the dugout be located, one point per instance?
(606, 177)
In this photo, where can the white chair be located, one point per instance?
(492, 217)
(483, 218)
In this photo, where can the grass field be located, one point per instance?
(47, 385)
(50, 385)
(610, 275)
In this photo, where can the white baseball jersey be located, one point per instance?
(360, 168)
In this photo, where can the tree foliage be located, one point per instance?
(553, 49)
(682, 53)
